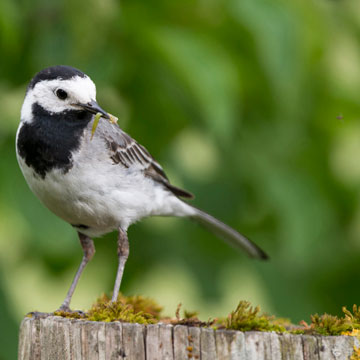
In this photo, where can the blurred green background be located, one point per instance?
(252, 105)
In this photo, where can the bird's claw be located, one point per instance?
(65, 310)
(38, 315)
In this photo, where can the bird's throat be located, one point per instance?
(49, 140)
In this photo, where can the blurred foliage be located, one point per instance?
(252, 105)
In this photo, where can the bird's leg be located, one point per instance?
(123, 253)
(89, 250)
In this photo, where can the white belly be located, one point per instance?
(101, 195)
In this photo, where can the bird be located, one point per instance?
(98, 184)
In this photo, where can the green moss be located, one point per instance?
(118, 312)
(139, 304)
(142, 310)
(247, 318)
(133, 309)
(190, 314)
(332, 325)
(70, 314)
(353, 317)
(329, 324)
(190, 319)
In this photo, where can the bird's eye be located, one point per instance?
(61, 94)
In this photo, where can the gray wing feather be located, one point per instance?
(125, 151)
(129, 153)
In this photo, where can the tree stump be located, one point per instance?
(55, 338)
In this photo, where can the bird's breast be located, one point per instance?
(48, 141)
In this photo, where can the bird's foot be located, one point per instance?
(65, 311)
(38, 315)
(64, 308)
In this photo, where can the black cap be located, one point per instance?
(62, 72)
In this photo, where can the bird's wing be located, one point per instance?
(126, 151)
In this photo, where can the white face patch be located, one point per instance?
(79, 90)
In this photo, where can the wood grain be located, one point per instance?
(58, 338)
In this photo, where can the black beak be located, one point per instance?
(94, 108)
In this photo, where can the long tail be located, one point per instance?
(228, 234)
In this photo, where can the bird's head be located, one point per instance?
(60, 89)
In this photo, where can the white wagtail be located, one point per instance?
(97, 185)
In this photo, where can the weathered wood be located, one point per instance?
(57, 338)
(159, 342)
(230, 345)
(133, 341)
(336, 347)
(208, 344)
